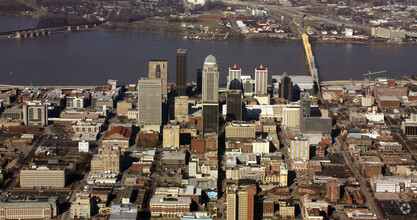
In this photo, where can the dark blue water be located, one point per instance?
(92, 57)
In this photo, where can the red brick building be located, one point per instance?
(333, 191)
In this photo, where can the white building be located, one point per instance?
(367, 101)
(375, 117)
(291, 117)
(235, 73)
(210, 80)
(261, 80)
(260, 146)
(83, 146)
(391, 184)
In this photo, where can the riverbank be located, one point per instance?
(176, 28)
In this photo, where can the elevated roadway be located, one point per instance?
(310, 58)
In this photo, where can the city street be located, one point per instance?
(369, 201)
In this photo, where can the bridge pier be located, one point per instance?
(86, 26)
(17, 35)
(69, 28)
(78, 27)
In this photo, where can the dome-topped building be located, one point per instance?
(210, 60)
(210, 76)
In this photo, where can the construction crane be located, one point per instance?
(373, 73)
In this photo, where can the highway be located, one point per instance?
(369, 200)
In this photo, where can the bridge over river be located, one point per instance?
(33, 32)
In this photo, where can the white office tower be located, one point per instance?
(261, 80)
(235, 74)
(149, 101)
(210, 80)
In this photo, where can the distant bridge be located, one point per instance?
(33, 32)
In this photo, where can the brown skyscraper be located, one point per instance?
(181, 74)
(159, 69)
(245, 205)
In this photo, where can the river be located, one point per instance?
(92, 57)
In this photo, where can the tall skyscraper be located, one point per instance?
(309, 124)
(181, 74)
(231, 206)
(234, 78)
(181, 108)
(286, 87)
(261, 80)
(150, 101)
(210, 117)
(305, 105)
(245, 205)
(234, 105)
(199, 81)
(35, 113)
(210, 80)
(159, 69)
(240, 205)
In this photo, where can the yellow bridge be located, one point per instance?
(310, 58)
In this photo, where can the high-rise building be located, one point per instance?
(234, 78)
(231, 206)
(181, 74)
(181, 108)
(210, 80)
(240, 205)
(171, 136)
(158, 69)
(149, 101)
(305, 105)
(300, 148)
(247, 84)
(210, 117)
(333, 191)
(261, 80)
(286, 87)
(199, 81)
(245, 205)
(309, 124)
(35, 113)
(234, 105)
(107, 159)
